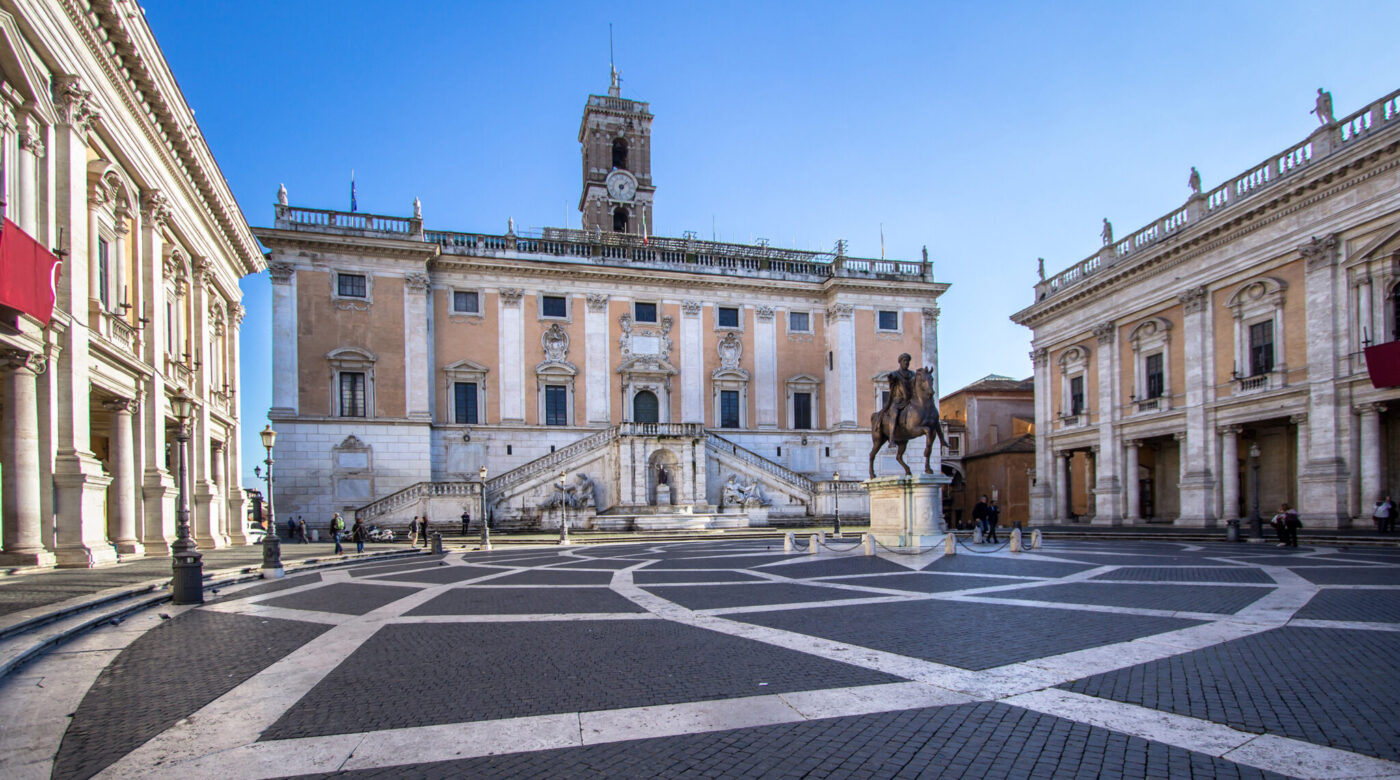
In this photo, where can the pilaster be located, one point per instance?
(417, 381)
(1044, 491)
(285, 379)
(1107, 485)
(765, 365)
(1323, 479)
(692, 364)
(597, 398)
(512, 356)
(1196, 450)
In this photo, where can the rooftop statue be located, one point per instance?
(1107, 232)
(910, 411)
(1323, 109)
(1195, 181)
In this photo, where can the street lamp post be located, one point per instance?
(563, 511)
(836, 489)
(485, 517)
(187, 565)
(1256, 522)
(272, 546)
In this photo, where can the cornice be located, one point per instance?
(142, 88)
(274, 238)
(1230, 228)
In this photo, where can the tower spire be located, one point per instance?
(614, 88)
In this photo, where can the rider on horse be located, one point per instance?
(901, 388)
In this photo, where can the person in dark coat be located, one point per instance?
(1286, 523)
(359, 534)
(979, 517)
(993, 519)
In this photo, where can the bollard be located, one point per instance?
(1015, 544)
(315, 535)
(437, 543)
(977, 536)
(788, 542)
(1035, 539)
(950, 544)
(1232, 530)
(868, 542)
(812, 544)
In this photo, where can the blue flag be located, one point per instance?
(354, 206)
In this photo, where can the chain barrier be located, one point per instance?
(999, 548)
(898, 551)
(860, 543)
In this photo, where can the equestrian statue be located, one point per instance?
(910, 411)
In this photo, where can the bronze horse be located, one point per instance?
(918, 418)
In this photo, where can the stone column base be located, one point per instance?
(907, 511)
(129, 550)
(42, 559)
(1106, 520)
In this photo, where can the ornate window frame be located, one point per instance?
(555, 370)
(1074, 362)
(464, 371)
(355, 359)
(730, 376)
(803, 383)
(1258, 300)
(1150, 337)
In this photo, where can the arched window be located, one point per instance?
(620, 220)
(620, 153)
(645, 408)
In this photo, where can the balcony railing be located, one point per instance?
(1381, 116)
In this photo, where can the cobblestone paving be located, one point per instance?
(727, 659)
(1273, 682)
(948, 742)
(164, 676)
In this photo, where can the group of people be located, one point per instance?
(418, 528)
(359, 534)
(987, 515)
(296, 529)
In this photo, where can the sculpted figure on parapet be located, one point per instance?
(1195, 181)
(1107, 233)
(1323, 107)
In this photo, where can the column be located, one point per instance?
(1372, 485)
(928, 353)
(1364, 328)
(1229, 472)
(1107, 490)
(1324, 489)
(285, 390)
(96, 200)
(692, 364)
(1301, 445)
(1044, 491)
(1182, 466)
(121, 496)
(120, 293)
(417, 381)
(1132, 513)
(31, 150)
(158, 487)
(841, 340)
(596, 387)
(19, 445)
(216, 477)
(765, 367)
(512, 356)
(1065, 509)
(236, 501)
(204, 496)
(1091, 481)
(78, 476)
(1197, 453)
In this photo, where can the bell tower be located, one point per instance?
(615, 138)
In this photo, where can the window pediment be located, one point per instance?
(349, 354)
(1152, 329)
(1263, 293)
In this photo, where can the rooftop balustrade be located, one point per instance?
(1334, 138)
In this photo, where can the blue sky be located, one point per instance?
(993, 133)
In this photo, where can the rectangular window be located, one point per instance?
(556, 410)
(953, 443)
(1155, 376)
(644, 312)
(1261, 348)
(465, 302)
(464, 403)
(884, 398)
(802, 411)
(169, 328)
(799, 321)
(553, 306)
(729, 408)
(352, 394)
(350, 285)
(727, 317)
(889, 320)
(1076, 395)
(103, 280)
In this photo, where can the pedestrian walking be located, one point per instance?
(423, 528)
(466, 522)
(291, 527)
(413, 532)
(1384, 515)
(993, 519)
(1286, 523)
(358, 534)
(301, 530)
(979, 517)
(337, 530)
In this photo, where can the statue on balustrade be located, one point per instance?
(1323, 109)
(1107, 233)
(910, 411)
(1195, 181)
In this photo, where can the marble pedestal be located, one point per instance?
(907, 511)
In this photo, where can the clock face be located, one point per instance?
(621, 186)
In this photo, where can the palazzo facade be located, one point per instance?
(104, 163)
(1217, 357)
(647, 370)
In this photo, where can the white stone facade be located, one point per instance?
(106, 165)
(1236, 324)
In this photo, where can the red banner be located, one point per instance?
(28, 274)
(1383, 363)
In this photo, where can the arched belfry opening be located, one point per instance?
(619, 153)
(620, 219)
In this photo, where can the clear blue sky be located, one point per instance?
(994, 133)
